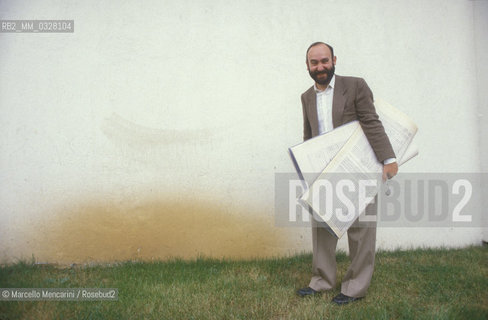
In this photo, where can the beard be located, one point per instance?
(323, 81)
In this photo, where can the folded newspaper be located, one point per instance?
(345, 152)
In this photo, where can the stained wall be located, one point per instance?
(156, 128)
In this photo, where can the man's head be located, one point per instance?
(321, 62)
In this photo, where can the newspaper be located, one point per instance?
(311, 157)
(346, 150)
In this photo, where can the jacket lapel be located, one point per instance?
(312, 111)
(338, 101)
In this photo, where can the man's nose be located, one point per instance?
(320, 67)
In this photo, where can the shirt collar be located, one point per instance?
(331, 85)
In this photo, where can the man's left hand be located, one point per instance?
(390, 170)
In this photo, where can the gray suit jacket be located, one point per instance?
(353, 100)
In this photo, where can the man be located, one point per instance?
(333, 101)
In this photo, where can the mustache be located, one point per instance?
(321, 72)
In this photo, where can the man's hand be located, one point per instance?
(390, 170)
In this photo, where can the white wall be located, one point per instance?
(480, 10)
(156, 129)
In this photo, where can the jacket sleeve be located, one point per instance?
(371, 124)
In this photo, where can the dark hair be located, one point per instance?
(316, 44)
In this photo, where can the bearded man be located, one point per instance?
(331, 102)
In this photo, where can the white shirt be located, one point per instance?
(325, 99)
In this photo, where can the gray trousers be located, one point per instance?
(362, 246)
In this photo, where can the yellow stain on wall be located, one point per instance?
(154, 230)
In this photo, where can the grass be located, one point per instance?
(416, 284)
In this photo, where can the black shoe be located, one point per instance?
(341, 299)
(305, 292)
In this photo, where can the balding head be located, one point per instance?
(318, 43)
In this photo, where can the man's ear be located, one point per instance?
(334, 60)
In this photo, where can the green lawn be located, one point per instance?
(419, 284)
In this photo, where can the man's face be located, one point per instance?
(321, 64)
